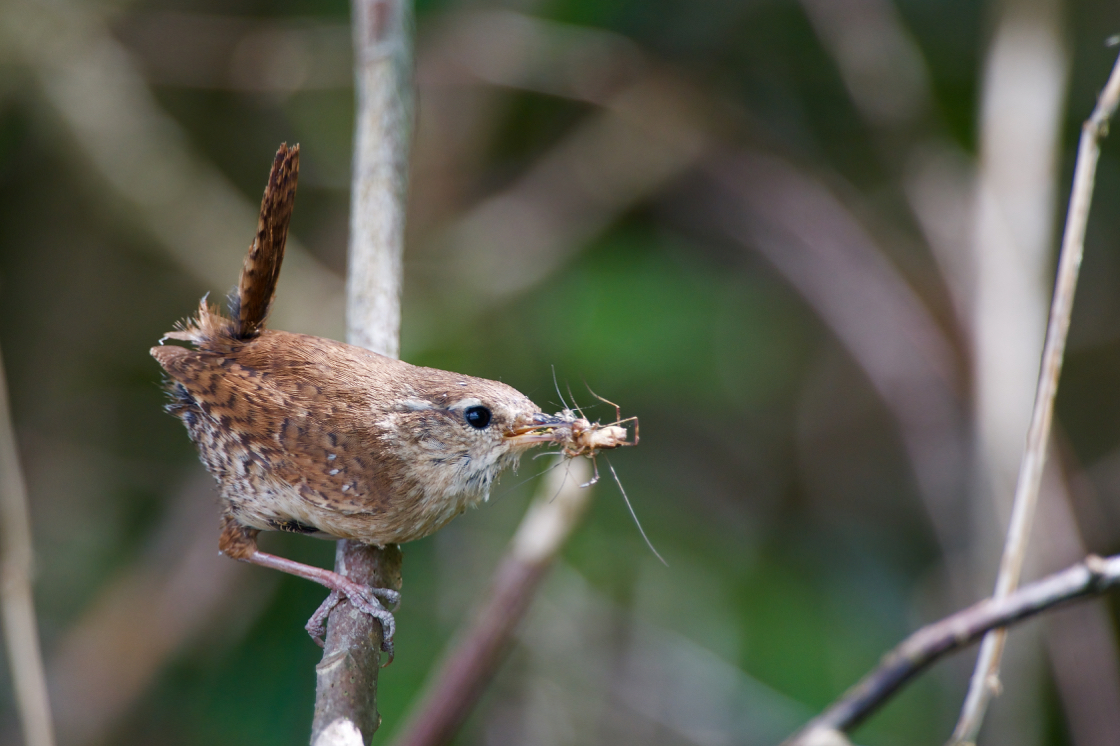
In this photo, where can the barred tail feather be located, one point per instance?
(257, 287)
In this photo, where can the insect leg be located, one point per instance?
(595, 471)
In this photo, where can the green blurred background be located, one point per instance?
(808, 242)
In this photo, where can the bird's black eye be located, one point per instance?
(477, 417)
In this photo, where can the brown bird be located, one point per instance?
(317, 437)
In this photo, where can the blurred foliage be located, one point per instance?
(770, 474)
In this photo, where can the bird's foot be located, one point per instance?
(379, 603)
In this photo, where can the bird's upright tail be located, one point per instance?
(257, 287)
(250, 305)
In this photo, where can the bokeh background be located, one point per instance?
(809, 243)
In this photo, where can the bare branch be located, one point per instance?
(383, 81)
(346, 678)
(457, 685)
(1030, 470)
(1089, 578)
(346, 689)
(17, 605)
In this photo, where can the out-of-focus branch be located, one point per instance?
(652, 129)
(1038, 436)
(346, 684)
(819, 247)
(880, 64)
(888, 81)
(458, 684)
(513, 50)
(142, 155)
(173, 593)
(646, 135)
(885, 75)
(1010, 256)
(17, 604)
(277, 56)
(1091, 577)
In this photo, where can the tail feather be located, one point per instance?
(257, 287)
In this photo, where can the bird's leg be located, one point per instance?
(240, 543)
(362, 597)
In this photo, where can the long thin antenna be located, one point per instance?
(574, 405)
(557, 385)
(634, 515)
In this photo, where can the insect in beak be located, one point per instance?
(541, 428)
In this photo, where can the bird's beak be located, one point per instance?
(536, 428)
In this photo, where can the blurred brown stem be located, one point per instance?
(985, 675)
(346, 682)
(456, 686)
(17, 604)
(1089, 578)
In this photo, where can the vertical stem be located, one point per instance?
(346, 678)
(379, 183)
(21, 636)
(984, 676)
(346, 681)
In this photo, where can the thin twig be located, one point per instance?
(1089, 578)
(457, 685)
(985, 676)
(346, 686)
(17, 605)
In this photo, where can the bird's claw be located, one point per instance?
(317, 625)
(365, 600)
(389, 598)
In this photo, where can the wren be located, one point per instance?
(318, 437)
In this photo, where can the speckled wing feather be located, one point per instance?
(261, 270)
(258, 395)
(327, 453)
